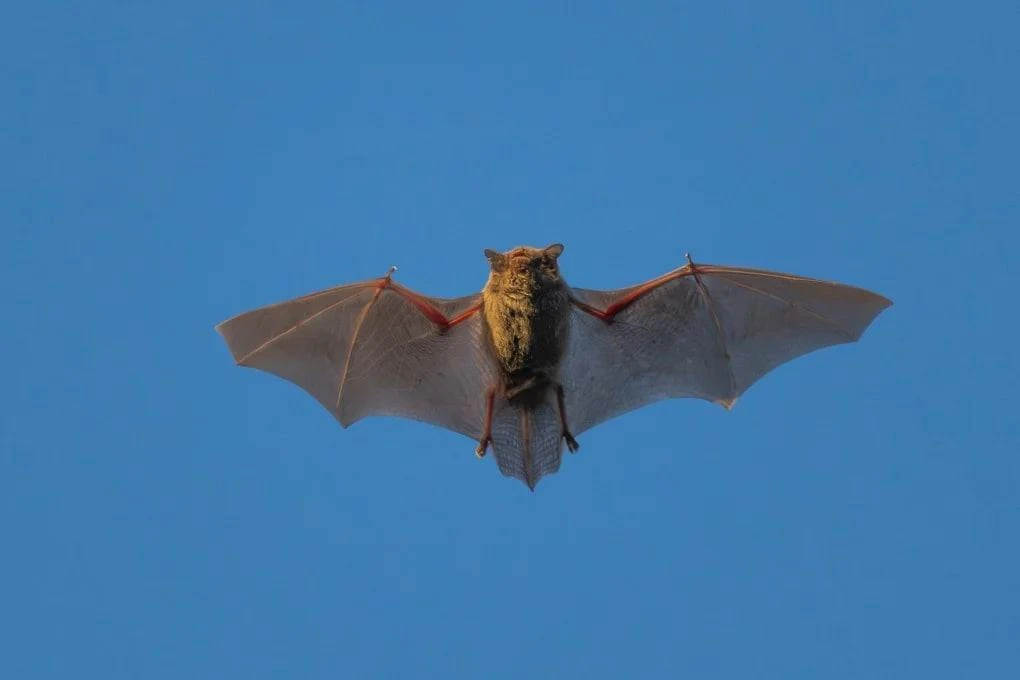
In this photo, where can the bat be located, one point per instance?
(529, 363)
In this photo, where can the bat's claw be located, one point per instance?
(483, 445)
(572, 444)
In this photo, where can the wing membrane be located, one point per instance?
(373, 348)
(708, 332)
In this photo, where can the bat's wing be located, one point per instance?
(704, 331)
(374, 348)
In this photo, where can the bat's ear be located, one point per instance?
(554, 251)
(496, 259)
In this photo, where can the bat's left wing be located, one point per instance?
(374, 348)
(704, 331)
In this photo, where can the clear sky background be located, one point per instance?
(164, 514)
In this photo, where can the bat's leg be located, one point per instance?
(483, 443)
(572, 444)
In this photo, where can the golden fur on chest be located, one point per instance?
(527, 333)
(526, 308)
(527, 326)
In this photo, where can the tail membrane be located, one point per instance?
(527, 438)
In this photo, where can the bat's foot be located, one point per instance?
(482, 447)
(572, 444)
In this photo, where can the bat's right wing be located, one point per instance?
(703, 331)
(374, 348)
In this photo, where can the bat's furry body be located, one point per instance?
(526, 307)
(530, 361)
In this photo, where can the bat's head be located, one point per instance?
(525, 266)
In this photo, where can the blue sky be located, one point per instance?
(167, 165)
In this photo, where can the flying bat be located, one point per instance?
(529, 363)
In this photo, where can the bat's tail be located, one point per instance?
(527, 437)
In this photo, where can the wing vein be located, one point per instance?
(719, 334)
(719, 269)
(817, 315)
(354, 340)
(290, 330)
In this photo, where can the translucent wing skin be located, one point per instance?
(527, 442)
(704, 331)
(374, 348)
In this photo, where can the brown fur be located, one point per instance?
(526, 307)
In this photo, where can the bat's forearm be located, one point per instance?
(609, 313)
(427, 308)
